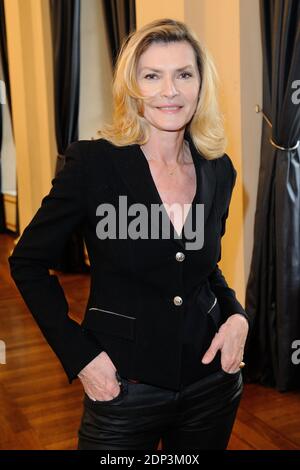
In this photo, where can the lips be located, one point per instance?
(170, 109)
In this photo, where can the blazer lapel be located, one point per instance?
(133, 168)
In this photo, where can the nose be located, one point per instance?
(168, 87)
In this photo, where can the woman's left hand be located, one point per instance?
(230, 339)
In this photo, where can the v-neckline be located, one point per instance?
(181, 234)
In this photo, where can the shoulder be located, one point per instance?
(225, 168)
(96, 159)
(84, 148)
(225, 164)
(92, 154)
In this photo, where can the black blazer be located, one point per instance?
(131, 312)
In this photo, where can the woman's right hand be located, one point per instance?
(99, 379)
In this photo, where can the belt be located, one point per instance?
(134, 381)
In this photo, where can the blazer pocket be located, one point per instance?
(215, 313)
(109, 322)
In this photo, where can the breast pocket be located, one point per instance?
(110, 322)
(214, 312)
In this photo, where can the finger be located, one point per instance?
(107, 393)
(229, 364)
(231, 357)
(90, 394)
(231, 370)
(211, 352)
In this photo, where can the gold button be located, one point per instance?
(177, 300)
(180, 256)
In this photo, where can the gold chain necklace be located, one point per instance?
(170, 172)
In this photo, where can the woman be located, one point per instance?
(161, 344)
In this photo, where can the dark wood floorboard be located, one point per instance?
(40, 410)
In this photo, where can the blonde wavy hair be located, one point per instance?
(128, 126)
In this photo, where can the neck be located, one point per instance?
(166, 147)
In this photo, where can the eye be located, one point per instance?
(187, 74)
(150, 75)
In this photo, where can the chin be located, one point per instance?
(172, 128)
(169, 126)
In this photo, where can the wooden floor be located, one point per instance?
(40, 410)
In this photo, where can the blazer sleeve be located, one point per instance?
(225, 295)
(39, 248)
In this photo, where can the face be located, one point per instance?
(168, 76)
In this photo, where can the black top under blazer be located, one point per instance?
(131, 311)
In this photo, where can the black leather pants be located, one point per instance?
(200, 416)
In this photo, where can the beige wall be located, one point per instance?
(95, 71)
(31, 77)
(251, 84)
(29, 49)
(148, 10)
(8, 151)
(230, 31)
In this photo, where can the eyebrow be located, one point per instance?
(177, 70)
